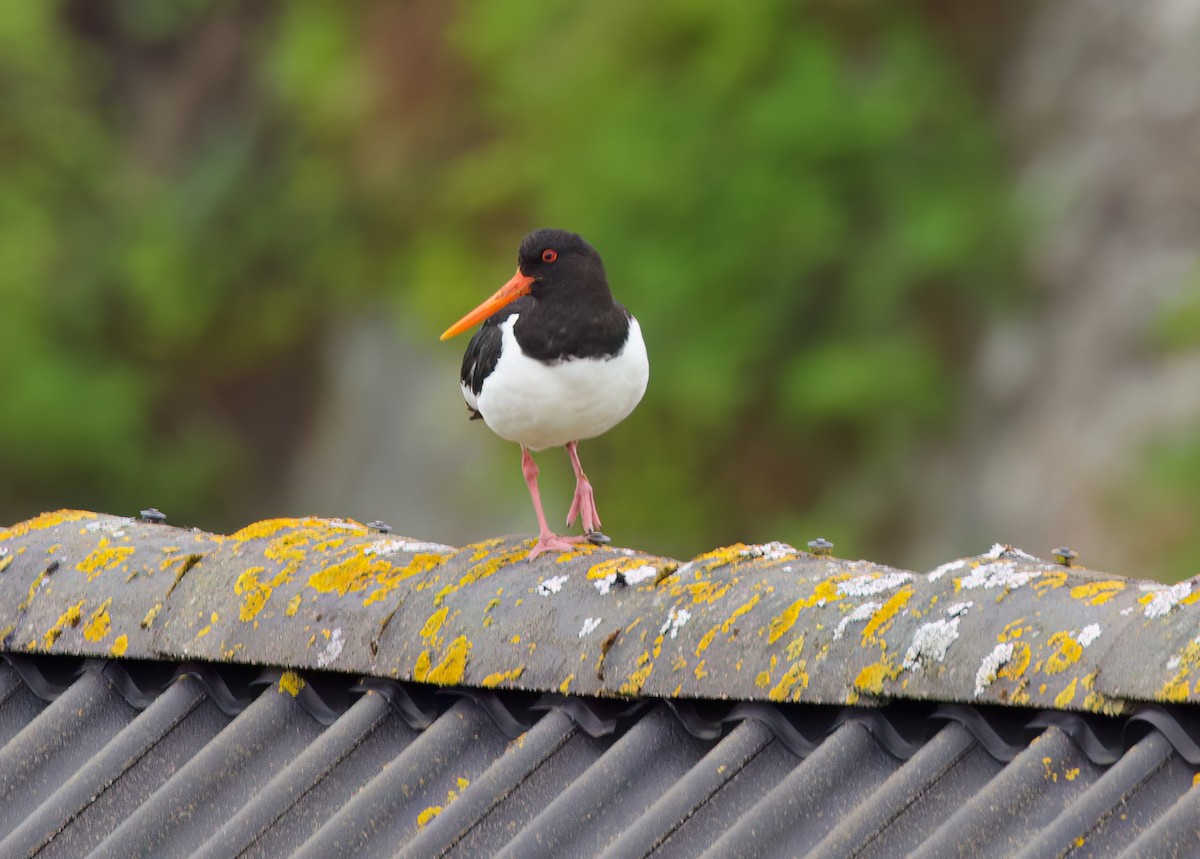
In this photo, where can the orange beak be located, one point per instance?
(519, 285)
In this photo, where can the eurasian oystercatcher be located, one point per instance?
(557, 360)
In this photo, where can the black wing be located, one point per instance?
(483, 352)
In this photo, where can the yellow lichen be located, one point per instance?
(882, 619)
(44, 521)
(70, 617)
(151, 615)
(763, 679)
(98, 624)
(481, 571)
(428, 814)
(871, 677)
(708, 591)
(1067, 652)
(565, 686)
(1050, 581)
(738, 612)
(795, 647)
(206, 630)
(612, 566)
(1017, 664)
(265, 528)
(495, 679)
(1013, 629)
(706, 640)
(1048, 769)
(1178, 688)
(825, 592)
(450, 670)
(720, 557)
(291, 683)
(699, 670)
(434, 623)
(1072, 774)
(1097, 593)
(254, 593)
(103, 557)
(352, 574)
(793, 682)
(633, 685)
(1064, 698)
(293, 606)
(120, 645)
(5, 561)
(421, 563)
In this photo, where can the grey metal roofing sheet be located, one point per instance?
(118, 758)
(755, 701)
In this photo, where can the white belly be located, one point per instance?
(547, 405)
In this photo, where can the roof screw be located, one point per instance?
(153, 515)
(1064, 556)
(381, 527)
(820, 547)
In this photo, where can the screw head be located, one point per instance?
(153, 515)
(381, 527)
(1064, 556)
(820, 547)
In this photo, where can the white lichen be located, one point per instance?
(948, 567)
(930, 643)
(991, 665)
(1003, 550)
(1088, 634)
(858, 615)
(630, 577)
(1000, 574)
(774, 551)
(869, 585)
(675, 620)
(552, 585)
(393, 547)
(1166, 599)
(589, 626)
(932, 640)
(332, 649)
(337, 522)
(115, 527)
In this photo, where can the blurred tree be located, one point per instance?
(805, 208)
(803, 204)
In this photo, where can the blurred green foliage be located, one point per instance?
(803, 204)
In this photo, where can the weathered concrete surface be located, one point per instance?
(761, 622)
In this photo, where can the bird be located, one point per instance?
(556, 361)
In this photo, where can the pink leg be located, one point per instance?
(547, 541)
(584, 503)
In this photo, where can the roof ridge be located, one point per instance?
(744, 622)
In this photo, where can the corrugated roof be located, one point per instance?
(754, 701)
(109, 758)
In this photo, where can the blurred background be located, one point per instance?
(916, 277)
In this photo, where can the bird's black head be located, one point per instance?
(555, 258)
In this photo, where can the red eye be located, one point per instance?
(549, 255)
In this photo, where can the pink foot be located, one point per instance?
(547, 540)
(584, 502)
(554, 543)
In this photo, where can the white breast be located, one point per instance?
(547, 405)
